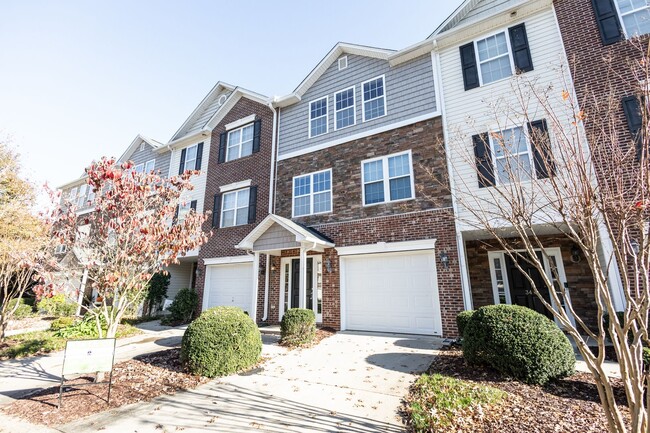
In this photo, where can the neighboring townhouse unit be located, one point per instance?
(238, 191)
(360, 231)
(480, 49)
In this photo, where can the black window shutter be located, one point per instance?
(199, 156)
(175, 220)
(252, 205)
(607, 20)
(520, 48)
(181, 168)
(216, 210)
(257, 132)
(632, 110)
(223, 138)
(483, 155)
(539, 139)
(469, 66)
(193, 205)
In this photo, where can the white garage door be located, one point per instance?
(230, 285)
(394, 292)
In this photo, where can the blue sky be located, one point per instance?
(80, 79)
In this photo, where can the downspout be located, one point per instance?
(273, 145)
(266, 288)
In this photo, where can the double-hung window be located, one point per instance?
(494, 58)
(81, 199)
(73, 195)
(240, 142)
(345, 112)
(234, 208)
(374, 98)
(512, 155)
(183, 209)
(389, 178)
(146, 167)
(635, 15)
(318, 117)
(190, 158)
(312, 193)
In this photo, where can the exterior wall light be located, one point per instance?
(328, 265)
(575, 254)
(444, 259)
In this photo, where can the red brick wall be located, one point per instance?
(256, 167)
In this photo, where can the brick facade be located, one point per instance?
(256, 167)
(428, 215)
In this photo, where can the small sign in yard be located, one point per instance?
(88, 356)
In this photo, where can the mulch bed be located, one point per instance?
(321, 334)
(136, 380)
(569, 405)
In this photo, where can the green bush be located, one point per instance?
(298, 327)
(462, 319)
(23, 310)
(182, 308)
(57, 306)
(518, 342)
(61, 323)
(221, 341)
(86, 327)
(156, 292)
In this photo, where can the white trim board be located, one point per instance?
(388, 247)
(235, 185)
(227, 260)
(240, 122)
(358, 136)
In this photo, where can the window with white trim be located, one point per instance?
(72, 196)
(146, 167)
(312, 193)
(344, 108)
(60, 249)
(190, 157)
(386, 179)
(240, 142)
(234, 208)
(183, 209)
(374, 98)
(81, 198)
(635, 16)
(512, 155)
(493, 57)
(318, 117)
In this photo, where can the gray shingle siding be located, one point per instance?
(162, 159)
(409, 88)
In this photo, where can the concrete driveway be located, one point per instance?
(351, 382)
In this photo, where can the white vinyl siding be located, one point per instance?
(344, 108)
(389, 178)
(234, 208)
(312, 193)
(374, 98)
(318, 117)
(240, 142)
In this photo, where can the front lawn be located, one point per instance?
(42, 342)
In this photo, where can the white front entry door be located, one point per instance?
(391, 292)
(230, 285)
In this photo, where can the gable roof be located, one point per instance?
(135, 144)
(336, 52)
(301, 233)
(204, 111)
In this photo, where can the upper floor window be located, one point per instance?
(344, 112)
(190, 158)
(73, 194)
(494, 58)
(234, 208)
(312, 193)
(81, 198)
(318, 117)
(635, 15)
(146, 167)
(389, 178)
(512, 155)
(374, 98)
(240, 142)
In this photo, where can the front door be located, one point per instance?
(521, 290)
(295, 283)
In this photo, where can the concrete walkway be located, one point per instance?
(22, 377)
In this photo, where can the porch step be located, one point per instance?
(270, 330)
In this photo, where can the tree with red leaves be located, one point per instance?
(134, 231)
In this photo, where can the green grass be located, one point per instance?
(436, 401)
(41, 342)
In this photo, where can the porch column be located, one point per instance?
(302, 294)
(82, 290)
(256, 283)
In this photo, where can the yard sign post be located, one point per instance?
(88, 356)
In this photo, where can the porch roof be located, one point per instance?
(276, 233)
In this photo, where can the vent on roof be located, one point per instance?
(141, 146)
(222, 99)
(343, 63)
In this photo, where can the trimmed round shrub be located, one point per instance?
(462, 319)
(221, 341)
(518, 342)
(57, 306)
(23, 310)
(62, 323)
(298, 327)
(182, 307)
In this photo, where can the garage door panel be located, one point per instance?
(392, 293)
(231, 285)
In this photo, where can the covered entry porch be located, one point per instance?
(295, 258)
